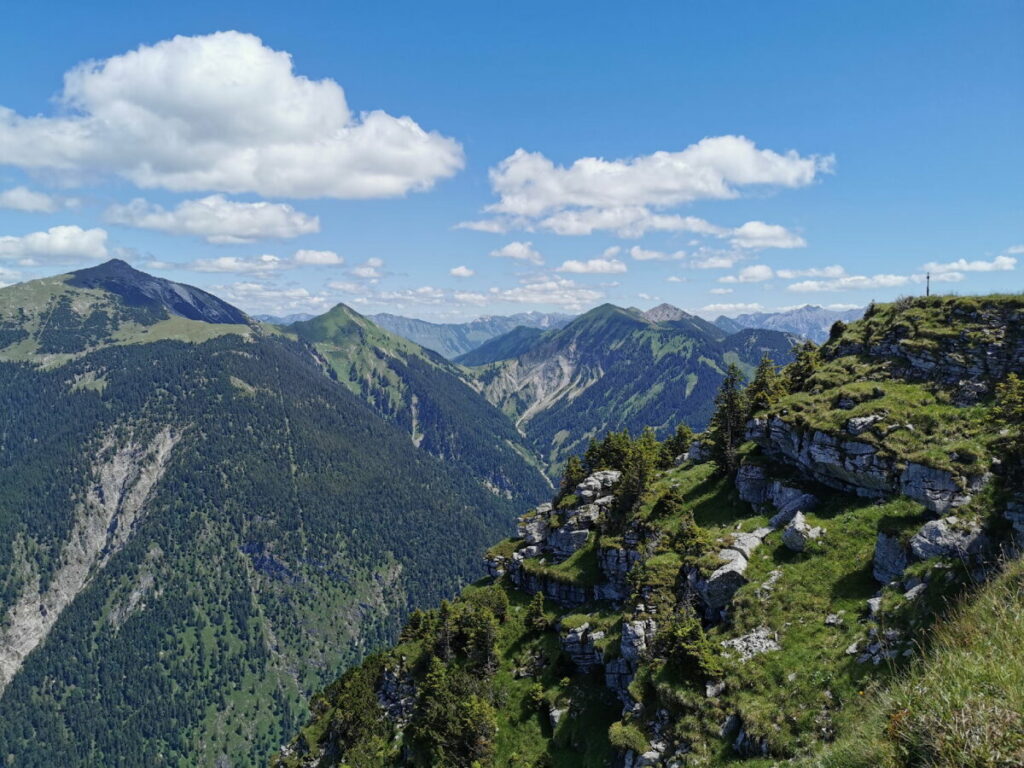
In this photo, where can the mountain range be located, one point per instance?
(612, 369)
(810, 321)
(207, 517)
(453, 339)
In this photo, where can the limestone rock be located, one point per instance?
(859, 424)
(798, 533)
(637, 636)
(948, 537)
(761, 640)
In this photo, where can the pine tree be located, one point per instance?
(641, 463)
(806, 362)
(535, 617)
(573, 475)
(767, 386)
(729, 422)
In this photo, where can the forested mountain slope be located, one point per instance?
(199, 525)
(614, 369)
(828, 577)
(427, 396)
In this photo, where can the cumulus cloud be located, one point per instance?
(756, 273)
(757, 234)
(593, 267)
(260, 298)
(224, 112)
(217, 219)
(720, 291)
(529, 184)
(860, 282)
(998, 264)
(625, 221)
(519, 250)
(468, 297)
(675, 279)
(642, 254)
(62, 244)
(461, 271)
(555, 291)
(368, 270)
(318, 258)
(27, 200)
(832, 271)
(715, 261)
(254, 265)
(730, 309)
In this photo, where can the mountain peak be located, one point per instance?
(665, 313)
(139, 289)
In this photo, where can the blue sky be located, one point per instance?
(451, 160)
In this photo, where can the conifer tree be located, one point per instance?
(676, 445)
(535, 617)
(728, 423)
(766, 387)
(573, 475)
(797, 373)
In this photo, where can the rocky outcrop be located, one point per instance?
(615, 564)
(949, 537)
(717, 589)
(798, 534)
(860, 468)
(396, 695)
(124, 478)
(987, 347)
(580, 645)
(782, 498)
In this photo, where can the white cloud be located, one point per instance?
(850, 283)
(998, 264)
(1015, 249)
(318, 258)
(790, 274)
(345, 286)
(368, 270)
(62, 244)
(260, 298)
(519, 250)
(720, 291)
(224, 112)
(756, 273)
(530, 184)
(642, 254)
(8, 277)
(675, 279)
(254, 265)
(730, 309)
(715, 261)
(757, 234)
(593, 267)
(217, 219)
(496, 226)
(551, 291)
(467, 297)
(625, 221)
(461, 271)
(25, 199)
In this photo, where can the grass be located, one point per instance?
(961, 704)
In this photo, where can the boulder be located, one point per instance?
(948, 537)
(859, 424)
(798, 533)
(533, 527)
(890, 558)
(699, 452)
(717, 590)
(752, 483)
(937, 489)
(593, 487)
(580, 645)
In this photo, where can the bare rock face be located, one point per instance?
(859, 468)
(125, 476)
(756, 487)
(890, 559)
(949, 537)
(396, 696)
(637, 636)
(580, 645)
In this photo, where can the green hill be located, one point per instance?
(199, 525)
(843, 599)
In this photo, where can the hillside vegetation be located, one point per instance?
(826, 577)
(199, 526)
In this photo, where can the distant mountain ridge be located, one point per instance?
(453, 339)
(810, 321)
(612, 369)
